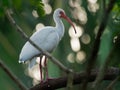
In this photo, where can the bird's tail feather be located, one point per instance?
(32, 62)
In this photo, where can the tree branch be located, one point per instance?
(12, 76)
(103, 69)
(110, 74)
(53, 59)
(110, 86)
(92, 59)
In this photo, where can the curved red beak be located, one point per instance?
(68, 19)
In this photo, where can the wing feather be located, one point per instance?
(47, 39)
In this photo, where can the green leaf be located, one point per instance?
(38, 6)
(1, 12)
(17, 4)
(5, 3)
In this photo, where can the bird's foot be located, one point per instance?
(42, 81)
(46, 81)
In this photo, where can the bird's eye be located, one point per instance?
(61, 14)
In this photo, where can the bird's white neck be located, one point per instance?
(59, 26)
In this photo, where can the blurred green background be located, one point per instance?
(73, 51)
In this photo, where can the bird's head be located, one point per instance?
(61, 14)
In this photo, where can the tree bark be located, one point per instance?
(61, 82)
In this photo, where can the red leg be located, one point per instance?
(46, 69)
(40, 66)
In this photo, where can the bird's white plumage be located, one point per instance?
(47, 39)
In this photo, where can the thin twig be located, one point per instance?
(12, 76)
(110, 86)
(61, 82)
(70, 81)
(53, 59)
(103, 69)
(92, 59)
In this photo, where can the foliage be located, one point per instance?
(38, 6)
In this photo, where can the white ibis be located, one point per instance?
(47, 38)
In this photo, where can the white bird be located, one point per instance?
(47, 39)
